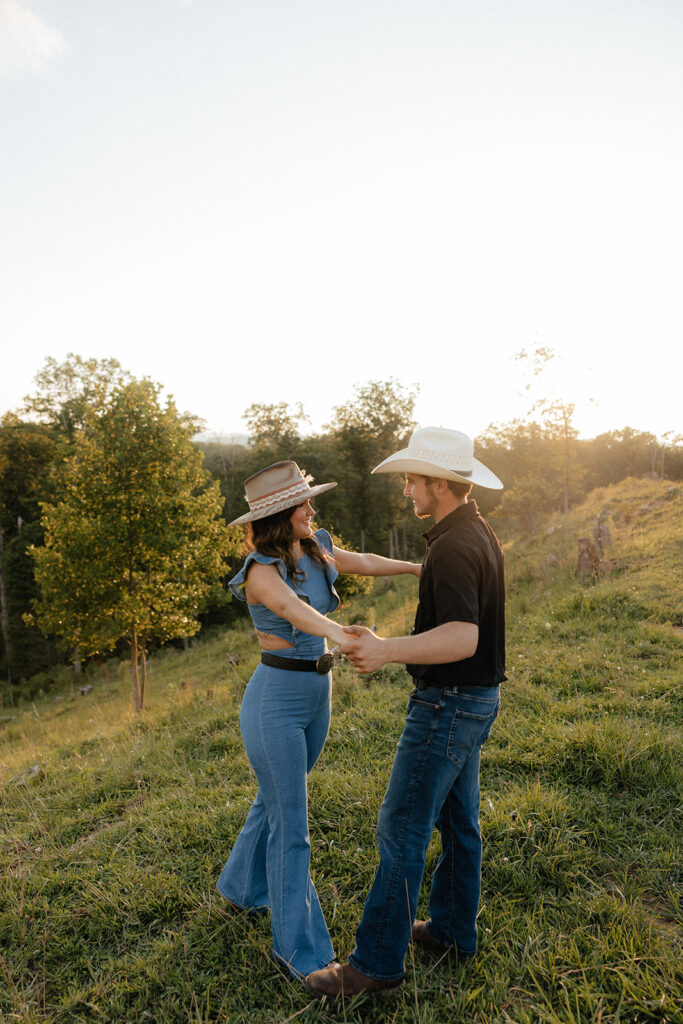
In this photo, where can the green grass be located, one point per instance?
(110, 853)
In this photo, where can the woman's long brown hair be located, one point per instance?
(274, 536)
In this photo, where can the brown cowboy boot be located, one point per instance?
(421, 935)
(343, 980)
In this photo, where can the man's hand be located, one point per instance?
(364, 649)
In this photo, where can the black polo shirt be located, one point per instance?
(463, 581)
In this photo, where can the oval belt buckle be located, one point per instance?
(324, 663)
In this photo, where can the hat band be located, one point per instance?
(448, 460)
(258, 504)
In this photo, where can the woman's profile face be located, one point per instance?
(301, 520)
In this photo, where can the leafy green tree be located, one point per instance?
(135, 541)
(614, 455)
(530, 458)
(670, 456)
(556, 415)
(377, 421)
(66, 393)
(276, 427)
(225, 462)
(26, 453)
(523, 506)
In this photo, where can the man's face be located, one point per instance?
(421, 494)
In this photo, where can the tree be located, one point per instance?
(274, 426)
(614, 455)
(556, 416)
(135, 540)
(26, 453)
(672, 449)
(66, 393)
(521, 506)
(377, 421)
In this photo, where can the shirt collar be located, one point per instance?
(454, 518)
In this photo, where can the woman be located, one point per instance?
(288, 582)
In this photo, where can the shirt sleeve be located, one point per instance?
(455, 582)
(331, 572)
(237, 583)
(325, 542)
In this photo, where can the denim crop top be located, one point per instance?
(316, 589)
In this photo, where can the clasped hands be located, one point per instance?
(363, 648)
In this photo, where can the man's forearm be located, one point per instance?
(454, 641)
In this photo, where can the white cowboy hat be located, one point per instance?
(275, 488)
(446, 454)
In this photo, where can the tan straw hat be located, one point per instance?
(275, 488)
(446, 454)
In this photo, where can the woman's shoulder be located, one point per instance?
(237, 583)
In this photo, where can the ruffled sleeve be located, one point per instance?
(325, 542)
(237, 583)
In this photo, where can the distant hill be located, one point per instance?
(212, 437)
(643, 554)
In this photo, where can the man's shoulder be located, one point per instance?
(463, 533)
(449, 548)
(472, 540)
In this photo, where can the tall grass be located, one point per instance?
(115, 828)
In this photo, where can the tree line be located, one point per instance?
(113, 519)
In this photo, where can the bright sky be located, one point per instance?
(276, 200)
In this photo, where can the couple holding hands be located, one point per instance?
(456, 658)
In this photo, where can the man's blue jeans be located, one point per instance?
(434, 781)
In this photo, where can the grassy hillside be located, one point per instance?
(115, 829)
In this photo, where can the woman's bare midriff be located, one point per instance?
(268, 642)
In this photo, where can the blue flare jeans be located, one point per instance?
(284, 719)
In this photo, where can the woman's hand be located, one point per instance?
(364, 649)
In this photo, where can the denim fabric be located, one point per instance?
(284, 719)
(434, 781)
(317, 589)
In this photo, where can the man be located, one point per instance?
(456, 656)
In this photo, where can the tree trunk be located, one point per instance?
(567, 460)
(4, 614)
(143, 658)
(78, 663)
(135, 674)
